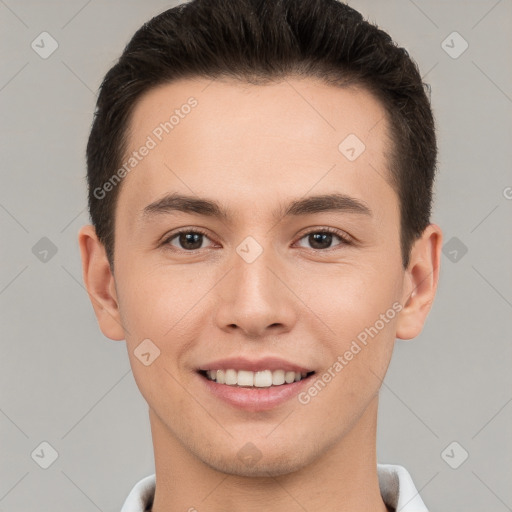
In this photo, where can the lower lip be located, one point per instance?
(255, 399)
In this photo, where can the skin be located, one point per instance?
(254, 149)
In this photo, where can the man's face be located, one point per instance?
(259, 284)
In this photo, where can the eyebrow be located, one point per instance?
(335, 202)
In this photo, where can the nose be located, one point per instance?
(257, 297)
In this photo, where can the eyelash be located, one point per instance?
(345, 240)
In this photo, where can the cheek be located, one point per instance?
(350, 297)
(157, 315)
(359, 307)
(359, 343)
(152, 302)
(164, 305)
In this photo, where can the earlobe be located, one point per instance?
(99, 282)
(420, 283)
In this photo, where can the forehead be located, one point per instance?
(244, 141)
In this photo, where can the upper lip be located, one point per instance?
(255, 365)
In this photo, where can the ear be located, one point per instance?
(420, 282)
(99, 282)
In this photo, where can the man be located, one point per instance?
(260, 182)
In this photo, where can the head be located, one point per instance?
(260, 43)
(265, 96)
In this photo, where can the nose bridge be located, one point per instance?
(252, 263)
(253, 298)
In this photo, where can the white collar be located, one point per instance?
(396, 487)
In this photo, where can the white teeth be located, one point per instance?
(245, 378)
(278, 377)
(261, 379)
(231, 377)
(289, 377)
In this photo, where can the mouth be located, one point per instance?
(254, 384)
(253, 392)
(258, 379)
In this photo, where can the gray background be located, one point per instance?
(63, 382)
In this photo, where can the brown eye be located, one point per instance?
(187, 240)
(323, 238)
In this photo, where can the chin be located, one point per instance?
(263, 469)
(251, 462)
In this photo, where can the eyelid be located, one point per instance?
(166, 239)
(345, 238)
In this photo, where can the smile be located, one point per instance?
(254, 391)
(258, 379)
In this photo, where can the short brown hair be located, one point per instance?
(259, 41)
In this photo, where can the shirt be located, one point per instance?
(396, 488)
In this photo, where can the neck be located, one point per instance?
(341, 479)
